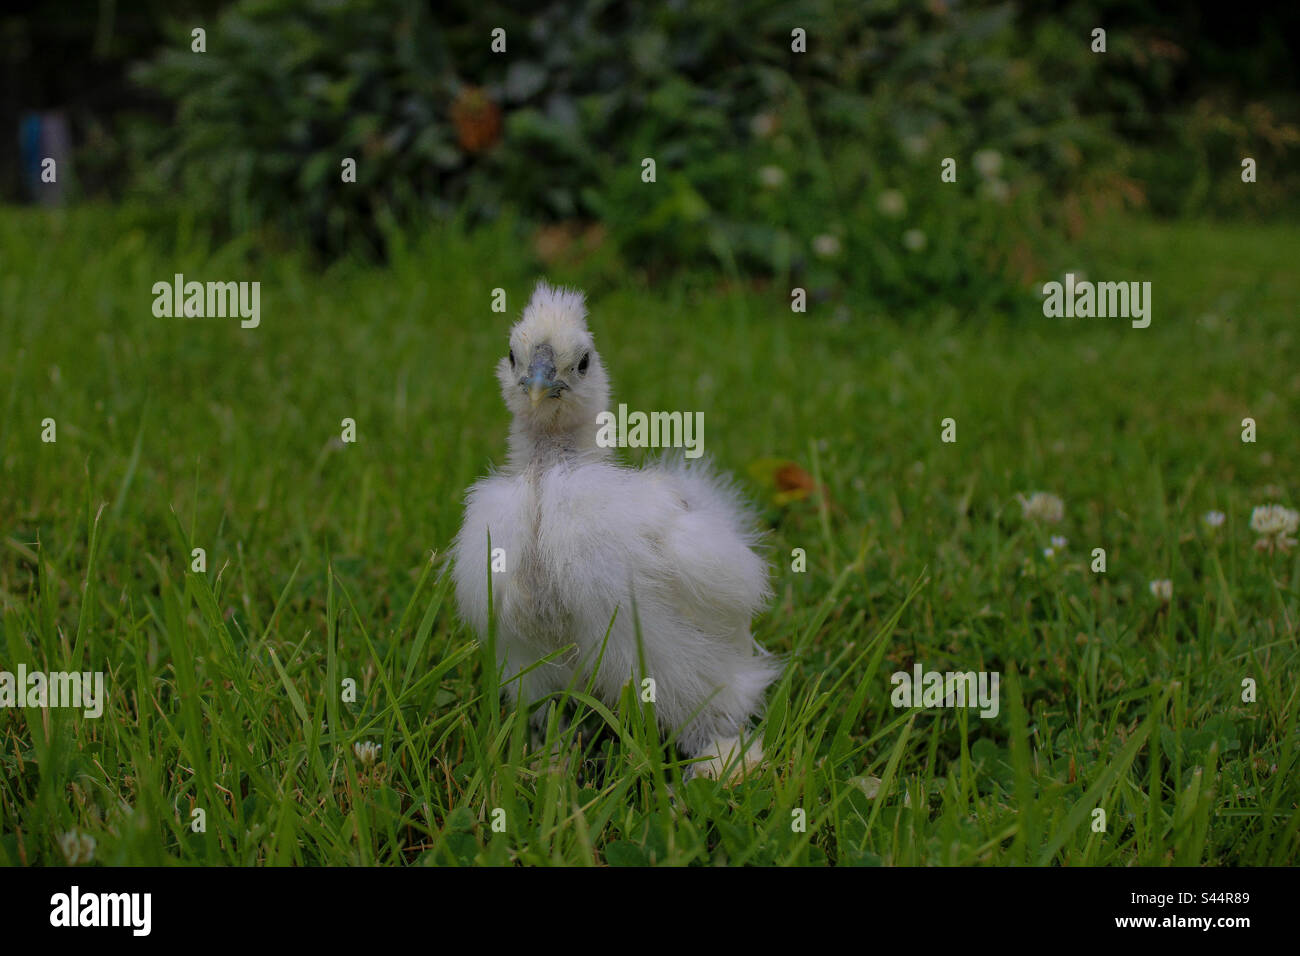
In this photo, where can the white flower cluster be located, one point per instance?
(826, 245)
(77, 847)
(1276, 526)
(1041, 506)
(988, 163)
(773, 177)
(1163, 590)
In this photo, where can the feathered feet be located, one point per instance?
(727, 762)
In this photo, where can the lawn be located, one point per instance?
(325, 563)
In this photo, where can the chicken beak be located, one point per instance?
(540, 380)
(537, 390)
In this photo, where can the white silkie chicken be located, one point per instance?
(583, 538)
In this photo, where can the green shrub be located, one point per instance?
(819, 168)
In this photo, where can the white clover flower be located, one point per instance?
(77, 847)
(1276, 525)
(1214, 519)
(892, 203)
(367, 752)
(914, 240)
(987, 162)
(1274, 520)
(1163, 589)
(773, 177)
(1059, 542)
(826, 246)
(1041, 506)
(763, 125)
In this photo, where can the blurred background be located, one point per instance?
(818, 169)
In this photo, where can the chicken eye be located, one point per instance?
(512, 358)
(582, 366)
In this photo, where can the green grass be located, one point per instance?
(326, 561)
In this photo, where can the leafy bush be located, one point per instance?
(821, 167)
(1190, 93)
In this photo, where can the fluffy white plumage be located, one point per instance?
(584, 537)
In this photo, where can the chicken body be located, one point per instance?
(584, 546)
